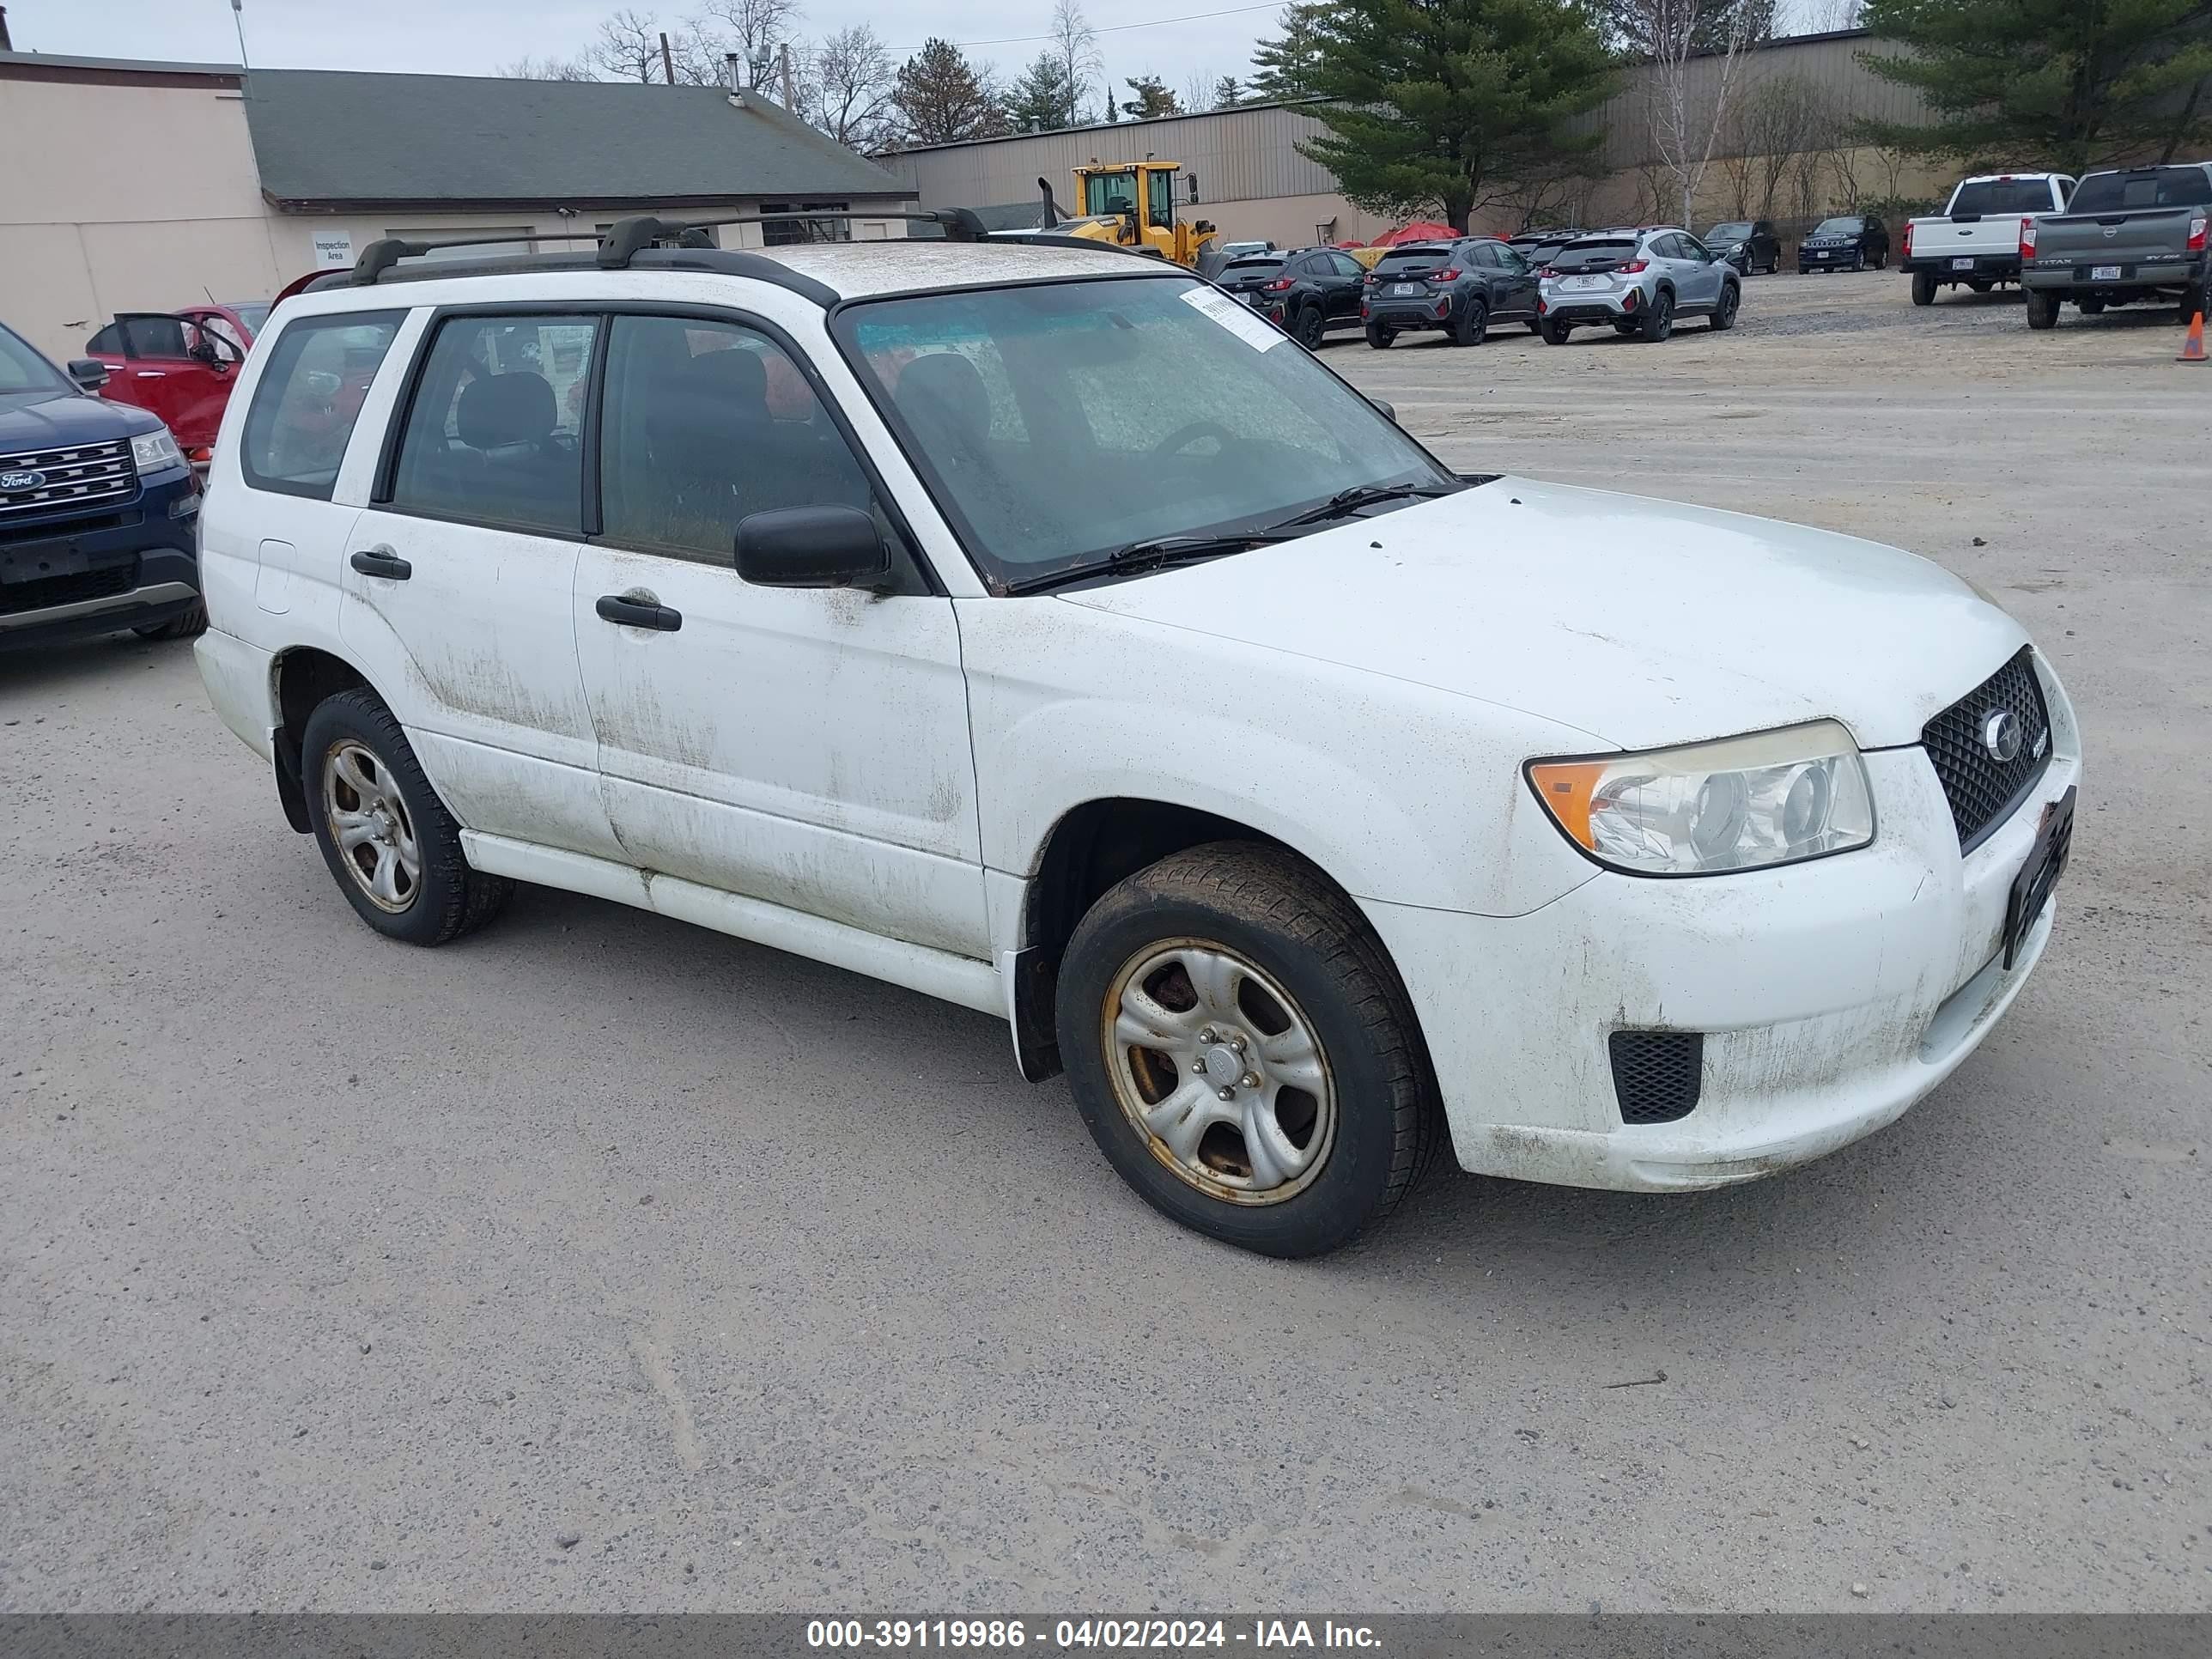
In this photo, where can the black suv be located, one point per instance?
(98, 510)
(1462, 288)
(1850, 241)
(1750, 245)
(1306, 291)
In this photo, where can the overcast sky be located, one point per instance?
(476, 37)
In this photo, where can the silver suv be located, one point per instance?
(1640, 281)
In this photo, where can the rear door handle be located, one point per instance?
(381, 561)
(153, 374)
(636, 609)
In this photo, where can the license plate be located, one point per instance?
(1585, 283)
(1819, 253)
(2046, 862)
(2104, 273)
(1962, 264)
(1405, 287)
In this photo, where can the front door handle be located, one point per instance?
(637, 609)
(153, 375)
(381, 561)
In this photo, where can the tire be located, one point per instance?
(1804, 270)
(1292, 955)
(1554, 333)
(2090, 306)
(1628, 330)
(2193, 300)
(1473, 324)
(1723, 318)
(1659, 319)
(1310, 328)
(2042, 308)
(1381, 337)
(187, 625)
(1537, 326)
(444, 898)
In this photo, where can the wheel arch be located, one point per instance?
(301, 679)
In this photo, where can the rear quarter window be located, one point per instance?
(308, 397)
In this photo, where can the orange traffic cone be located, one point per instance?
(2192, 348)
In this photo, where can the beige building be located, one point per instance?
(1250, 179)
(176, 182)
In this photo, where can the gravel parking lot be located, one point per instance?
(596, 1262)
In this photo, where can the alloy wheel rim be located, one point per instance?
(1218, 1069)
(370, 823)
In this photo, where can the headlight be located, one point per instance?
(156, 450)
(1739, 804)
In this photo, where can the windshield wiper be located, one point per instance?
(1351, 500)
(1153, 553)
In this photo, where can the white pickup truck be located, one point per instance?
(1977, 240)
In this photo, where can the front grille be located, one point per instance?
(1657, 1075)
(47, 591)
(1983, 790)
(20, 531)
(80, 475)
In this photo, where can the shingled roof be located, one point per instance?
(342, 137)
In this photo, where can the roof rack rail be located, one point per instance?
(386, 251)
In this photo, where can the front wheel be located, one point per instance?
(2042, 308)
(1381, 337)
(1724, 312)
(388, 840)
(1242, 1052)
(1473, 324)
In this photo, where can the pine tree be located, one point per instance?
(942, 98)
(1041, 99)
(1284, 67)
(1438, 107)
(1151, 99)
(1228, 93)
(2062, 83)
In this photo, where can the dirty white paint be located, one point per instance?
(871, 780)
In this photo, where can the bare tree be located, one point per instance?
(1696, 58)
(549, 69)
(1198, 95)
(755, 30)
(629, 46)
(1074, 49)
(846, 88)
(1821, 17)
(1775, 120)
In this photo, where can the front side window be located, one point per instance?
(706, 422)
(309, 395)
(24, 370)
(1059, 421)
(1110, 192)
(491, 436)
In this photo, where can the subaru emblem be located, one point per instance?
(22, 480)
(2001, 736)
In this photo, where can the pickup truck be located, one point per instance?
(2131, 233)
(1976, 240)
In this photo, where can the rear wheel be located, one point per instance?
(2042, 308)
(1724, 312)
(1241, 1051)
(1310, 328)
(388, 840)
(2193, 300)
(187, 625)
(1923, 288)
(1659, 318)
(1473, 324)
(1379, 336)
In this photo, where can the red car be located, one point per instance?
(179, 364)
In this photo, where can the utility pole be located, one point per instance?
(790, 94)
(667, 63)
(238, 17)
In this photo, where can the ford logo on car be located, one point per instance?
(2001, 736)
(22, 480)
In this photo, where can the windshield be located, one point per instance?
(1734, 233)
(2151, 187)
(1057, 421)
(23, 370)
(253, 315)
(1837, 227)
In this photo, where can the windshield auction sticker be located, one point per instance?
(1240, 320)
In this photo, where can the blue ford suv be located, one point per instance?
(99, 513)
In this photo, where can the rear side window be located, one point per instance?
(307, 400)
(492, 434)
(2151, 187)
(705, 423)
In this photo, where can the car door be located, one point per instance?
(803, 747)
(1347, 280)
(459, 575)
(152, 365)
(1512, 281)
(1700, 286)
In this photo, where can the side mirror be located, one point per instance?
(1390, 410)
(89, 373)
(813, 547)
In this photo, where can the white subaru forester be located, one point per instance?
(1033, 626)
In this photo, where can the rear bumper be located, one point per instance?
(2073, 272)
(1406, 314)
(1994, 267)
(131, 567)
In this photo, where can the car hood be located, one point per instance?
(1641, 622)
(46, 420)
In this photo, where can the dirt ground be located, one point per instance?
(600, 1263)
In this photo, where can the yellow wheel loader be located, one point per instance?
(1131, 204)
